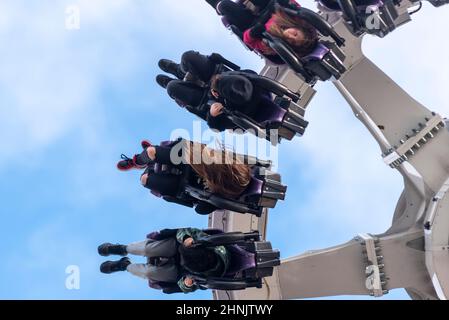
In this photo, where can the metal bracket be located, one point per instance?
(412, 143)
(376, 280)
(433, 207)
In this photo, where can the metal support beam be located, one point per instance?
(414, 253)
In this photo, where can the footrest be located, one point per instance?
(294, 121)
(225, 239)
(266, 259)
(412, 143)
(228, 285)
(272, 192)
(333, 65)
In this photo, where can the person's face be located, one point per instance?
(294, 36)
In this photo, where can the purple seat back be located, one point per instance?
(165, 143)
(269, 112)
(318, 54)
(254, 188)
(240, 260)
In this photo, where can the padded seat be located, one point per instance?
(322, 64)
(263, 191)
(252, 259)
(269, 112)
(277, 109)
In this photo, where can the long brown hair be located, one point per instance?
(283, 21)
(222, 172)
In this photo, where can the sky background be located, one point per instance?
(72, 101)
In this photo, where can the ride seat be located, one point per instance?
(278, 110)
(264, 190)
(252, 259)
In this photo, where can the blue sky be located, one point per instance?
(72, 101)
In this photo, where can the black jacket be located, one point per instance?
(167, 184)
(237, 92)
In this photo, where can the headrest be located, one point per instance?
(318, 54)
(166, 143)
(254, 188)
(270, 112)
(241, 259)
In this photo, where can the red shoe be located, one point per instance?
(128, 164)
(146, 144)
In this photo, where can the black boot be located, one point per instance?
(107, 249)
(171, 67)
(109, 267)
(163, 80)
(213, 3)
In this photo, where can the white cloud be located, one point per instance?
(47, 79)
(39, 268)
(51, 77)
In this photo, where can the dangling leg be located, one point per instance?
(164, 248)
(147, 156)
(147, 248)
(205, 208)
(198, 66)
(213, 3)
(137, 248)
(138, 269)
(127, 164)
(163, 80)
(107, 249)
(152, 154)
(185, 93)
(164, 273)
(109, 267)
(171, 67)
(164, 184)
(140, 161)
